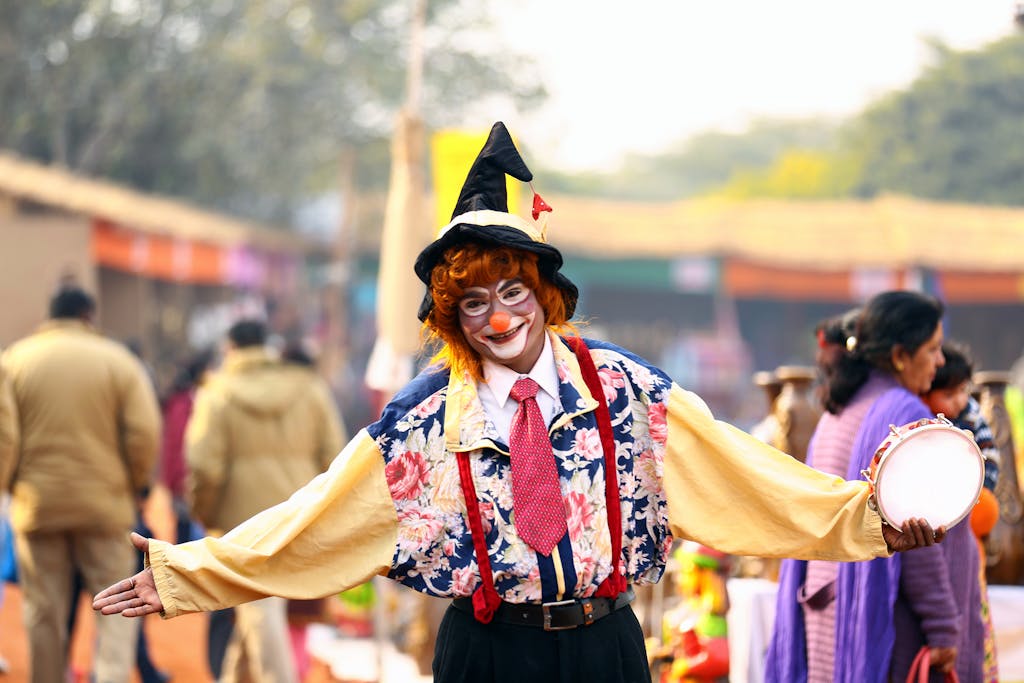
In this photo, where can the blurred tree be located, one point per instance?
(246, 106)
(703, 162)
(797, 174)
(954, 134)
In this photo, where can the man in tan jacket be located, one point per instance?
(260, 430)
(90, 430)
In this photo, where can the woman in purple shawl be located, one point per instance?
(863, 622)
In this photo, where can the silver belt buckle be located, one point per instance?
(546, 609)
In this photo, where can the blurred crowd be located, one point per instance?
(85, 439)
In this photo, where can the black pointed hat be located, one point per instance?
(481, 215)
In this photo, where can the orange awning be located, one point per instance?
(165, 258)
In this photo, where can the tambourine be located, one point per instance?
(930, 469)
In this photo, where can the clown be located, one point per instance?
(529, 476)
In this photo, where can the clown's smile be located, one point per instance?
(501, 336)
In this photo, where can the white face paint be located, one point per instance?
(517, 346)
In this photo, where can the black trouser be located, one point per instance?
(609, 650)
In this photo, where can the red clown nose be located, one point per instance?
(500, 321)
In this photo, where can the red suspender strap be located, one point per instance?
(485, 597)
(615, 583)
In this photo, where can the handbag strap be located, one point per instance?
(920, 668)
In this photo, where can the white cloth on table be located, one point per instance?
(749, 620)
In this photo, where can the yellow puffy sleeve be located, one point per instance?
(731, 492)
(336, 532)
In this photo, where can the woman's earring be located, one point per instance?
(899, 366)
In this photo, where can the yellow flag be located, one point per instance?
(452, 154)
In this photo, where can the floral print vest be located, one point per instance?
(438, 415)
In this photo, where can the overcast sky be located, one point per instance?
(638, 75)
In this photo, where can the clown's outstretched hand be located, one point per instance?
(135, 596)
(916, 533)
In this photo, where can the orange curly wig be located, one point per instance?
(472, 265)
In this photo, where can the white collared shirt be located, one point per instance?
(497, 383)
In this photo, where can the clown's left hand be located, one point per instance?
(915, 533)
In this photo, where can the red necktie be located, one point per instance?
(536, 494)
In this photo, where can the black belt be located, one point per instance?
(554, 616)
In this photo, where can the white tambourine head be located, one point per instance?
(935, 472)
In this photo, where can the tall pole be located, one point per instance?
(414, 73)
(338, 277)
(404, 233)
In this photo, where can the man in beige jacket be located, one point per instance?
(260, 430)
(90, 431)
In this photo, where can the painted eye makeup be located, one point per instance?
(514, 295)
(477, 304)
(474, 306)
